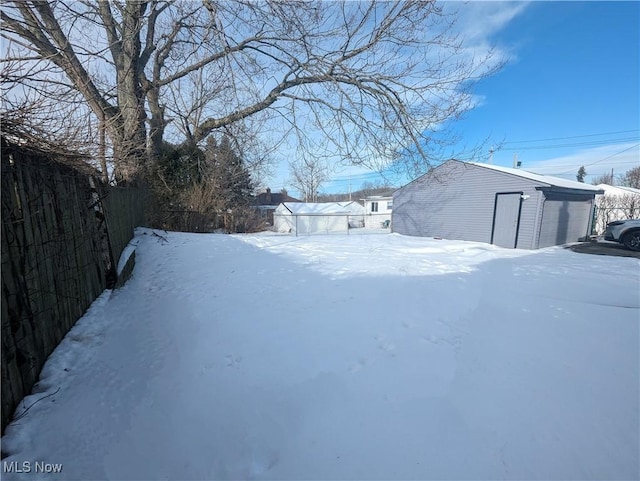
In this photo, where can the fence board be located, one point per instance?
(56, 255)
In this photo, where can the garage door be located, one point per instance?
(564, 220)
(506, 219)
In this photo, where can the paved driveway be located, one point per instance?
(603, 248)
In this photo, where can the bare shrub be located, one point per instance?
(615, 207)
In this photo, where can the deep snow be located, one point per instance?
(345, 357)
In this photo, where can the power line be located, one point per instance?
(559, 166)
(359, 177)
(578, 144)
(537, 169)
(571, 137)
(606, 158)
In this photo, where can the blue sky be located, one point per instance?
(568, 96)
(575, 74)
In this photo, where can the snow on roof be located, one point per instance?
(352, 206)
(378, 197)
(545, 179)
(617, 190)
(316, 208)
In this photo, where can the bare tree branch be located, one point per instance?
(366, 82)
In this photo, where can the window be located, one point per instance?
(389, 205)
(374, 207)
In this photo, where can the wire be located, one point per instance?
(560, 166)
(606, 158)
(578, 144)
(571, 137)
(356, 178)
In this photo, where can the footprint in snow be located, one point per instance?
(430, 339)
(359, 365)
(386, 346)
(231, 361)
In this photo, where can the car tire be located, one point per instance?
(632, 240)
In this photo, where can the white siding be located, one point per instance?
(375, 220)
(321, 224)
(302, 224)
(310, 218)
(283, 222)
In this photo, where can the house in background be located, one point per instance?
(303, 218)
(616, 203)
(497, 205)
(378, 211)
(267, 202)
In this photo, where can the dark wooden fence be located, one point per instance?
(62, 235)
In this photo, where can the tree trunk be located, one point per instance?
(130, 147)
(156, 122)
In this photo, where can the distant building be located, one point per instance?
(267, 202)
(378, 211)
(304, 218)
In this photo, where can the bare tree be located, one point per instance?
(307, 176)
(362, 81)
(377, 187)
(615, 207)
(631, 178)
(608, 179)
(52, 120)
(368, 188)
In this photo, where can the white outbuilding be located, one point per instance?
(303, 218)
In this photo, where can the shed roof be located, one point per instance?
(352, 206)
(316, 208)
(544, 179)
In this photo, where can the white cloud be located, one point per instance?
(596, 161)
(479, 21)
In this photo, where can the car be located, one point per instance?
(626, 232)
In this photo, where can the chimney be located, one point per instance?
(268, 196)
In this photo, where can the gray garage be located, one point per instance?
(497, 205)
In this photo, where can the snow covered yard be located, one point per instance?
(345, 357)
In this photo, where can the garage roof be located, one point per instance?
(316, 208)
(544, 179)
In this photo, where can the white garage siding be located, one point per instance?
(283, 223)
(311, 218)
(319, 224)
(466, 201)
